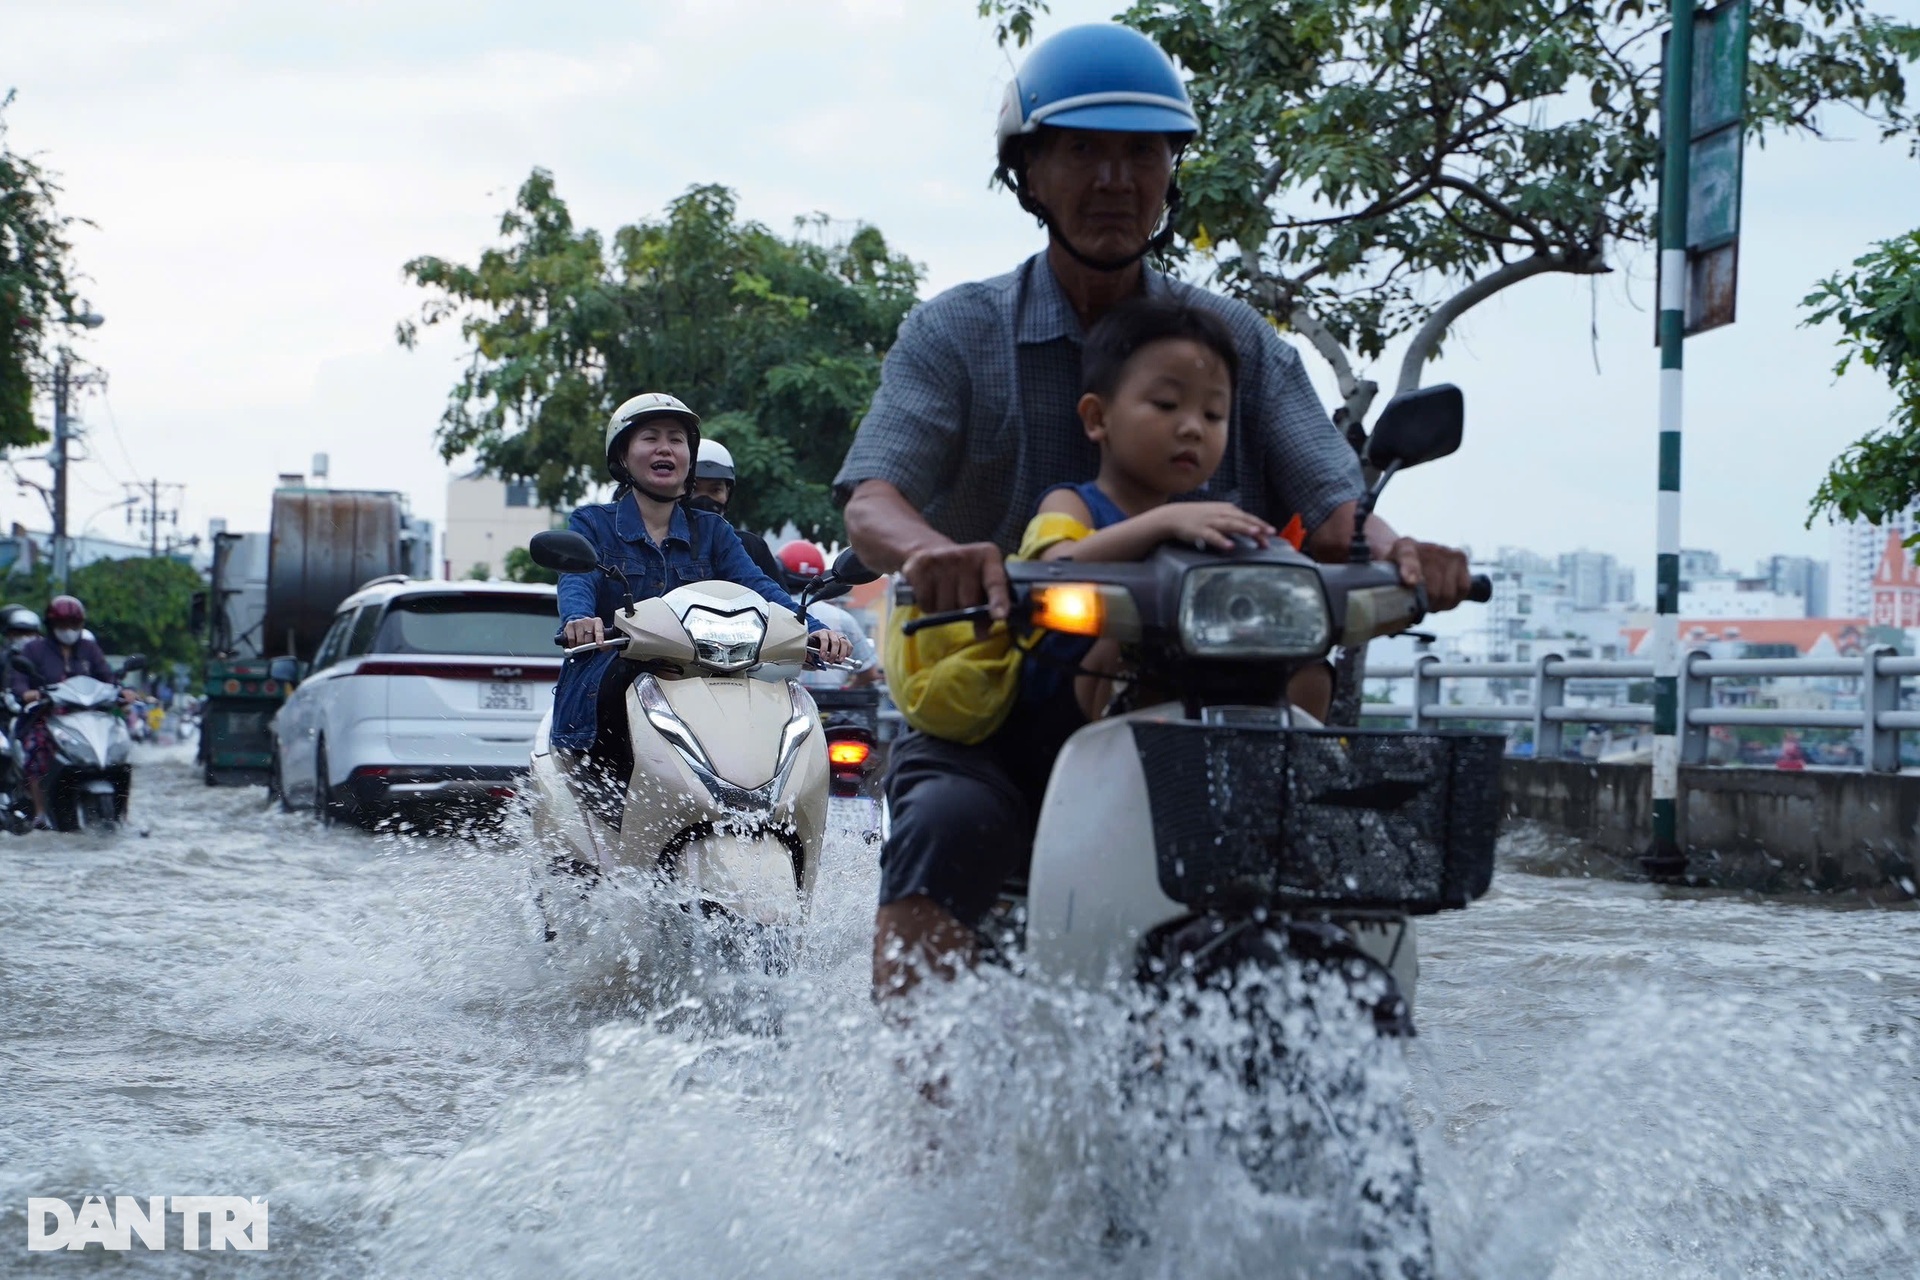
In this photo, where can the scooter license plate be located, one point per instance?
(504, 696)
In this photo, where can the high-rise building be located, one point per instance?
(1857, 548)
(1592, 578)
(1799, 576)
(1697, 565)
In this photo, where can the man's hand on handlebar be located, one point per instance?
(583, 631)
(1441, 570)
(959, 576)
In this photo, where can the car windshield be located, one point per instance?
(470, 623)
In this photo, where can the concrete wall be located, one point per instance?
(1760, 829)
(481, 527)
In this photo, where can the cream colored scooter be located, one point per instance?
(716, 792)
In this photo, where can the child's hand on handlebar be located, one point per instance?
(1211, 524)
(583, 631)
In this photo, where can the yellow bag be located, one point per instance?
(953, 683)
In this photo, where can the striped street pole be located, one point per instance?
(1664, 858)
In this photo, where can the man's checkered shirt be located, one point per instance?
(975, 414)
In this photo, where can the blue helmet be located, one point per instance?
(1100, 76)
(1103, 77)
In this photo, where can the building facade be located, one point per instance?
(486, 518)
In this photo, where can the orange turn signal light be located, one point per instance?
(848, 753)
(1074, 608)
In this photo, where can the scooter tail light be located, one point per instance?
(848, 753)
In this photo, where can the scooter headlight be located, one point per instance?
(72, 741)
(1254, 611)
(725, 641)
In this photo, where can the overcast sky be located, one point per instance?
(258, 173)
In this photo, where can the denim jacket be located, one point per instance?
(699, 546)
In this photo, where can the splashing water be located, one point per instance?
(1609, 1080)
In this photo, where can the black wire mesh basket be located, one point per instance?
(1255, 816)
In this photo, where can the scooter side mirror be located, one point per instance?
(1416, 427)
(848, 569)
(563, 551)
(829, 591)
(138, 662)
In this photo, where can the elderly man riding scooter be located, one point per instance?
(976, 417)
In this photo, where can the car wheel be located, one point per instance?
(328, 806)
(277, 781)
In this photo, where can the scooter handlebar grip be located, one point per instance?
(1481, 589)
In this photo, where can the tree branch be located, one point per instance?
(1429, 335)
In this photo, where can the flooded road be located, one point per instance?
(370, 1031)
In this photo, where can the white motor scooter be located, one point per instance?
(1209, 849)
(709, 779)
(91, 778)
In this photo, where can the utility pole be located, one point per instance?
(153, 517)
(1664, 858)
(65, 382)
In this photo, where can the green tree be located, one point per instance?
(36, 283)
(1877, 307)
(140, 606)
(775, 341)
(521, 568)
(1372, 169)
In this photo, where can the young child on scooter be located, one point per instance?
(1157, 381)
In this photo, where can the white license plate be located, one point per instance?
(504, 696)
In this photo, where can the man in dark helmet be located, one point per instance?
(47, 660)
(975, 418)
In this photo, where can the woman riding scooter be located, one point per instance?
(49, 660)
(652, 537)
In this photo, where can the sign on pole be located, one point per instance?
(1719, 99)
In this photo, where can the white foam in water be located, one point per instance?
(1610, 1080)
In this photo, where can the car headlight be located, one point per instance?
(725, 641)
(1254, 611)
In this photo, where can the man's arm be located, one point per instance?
(890, 536)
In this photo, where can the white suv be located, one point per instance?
(420, 693)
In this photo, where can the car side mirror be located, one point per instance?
(563, 551)
(285, 670)
(1417, 427)
(848, 569)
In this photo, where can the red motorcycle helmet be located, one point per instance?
(803, 559)
(66, 609)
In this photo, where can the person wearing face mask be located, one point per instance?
(22, 627)
(713, 482)
(47, 660)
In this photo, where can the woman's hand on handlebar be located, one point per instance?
(1443, 571)
(583, 631)
(830, 645)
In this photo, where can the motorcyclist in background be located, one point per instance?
(48, 660)
(802, 560)
(713, 482)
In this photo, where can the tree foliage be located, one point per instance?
(1877, 307)
(36, 283)
(1370, 169)
(521, 568)
(775, 341)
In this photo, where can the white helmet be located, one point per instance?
(714, 463)
(651, 404)
(23, 620)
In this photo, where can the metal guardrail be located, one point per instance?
(1881, 717)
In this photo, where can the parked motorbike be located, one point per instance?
(710, 774)
(91, 778)
(1241, 856)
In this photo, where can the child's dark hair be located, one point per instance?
(1133, 324)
